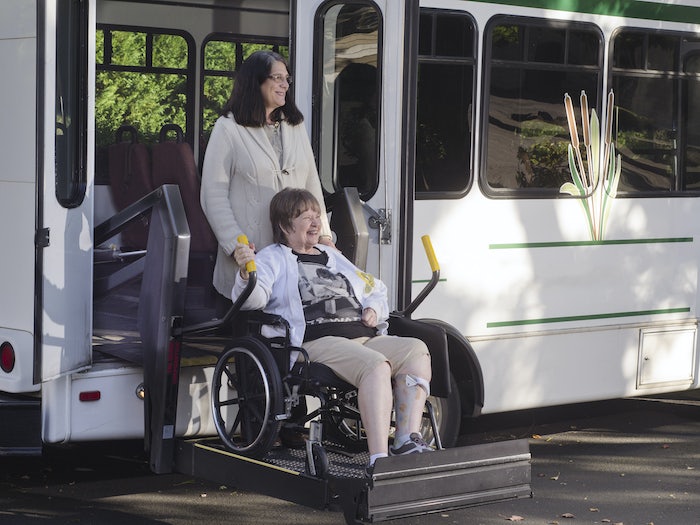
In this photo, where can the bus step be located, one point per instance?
(23, 436)
(444, 480)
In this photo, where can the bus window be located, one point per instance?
(221, 56)
(348, 157)
(530, 65)
(657, 85)
(144, 79)
(71, 89)
(445, 102)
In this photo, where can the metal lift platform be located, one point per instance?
(398, 487)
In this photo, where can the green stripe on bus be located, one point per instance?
(559, 244)
(566, 319)
(644, 10)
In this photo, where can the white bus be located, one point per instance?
(448, 116)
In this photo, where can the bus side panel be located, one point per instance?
(67, 260)
(17, 188)
(117, 412)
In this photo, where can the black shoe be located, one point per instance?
(369, 471)
(292, 438)
(414, 445)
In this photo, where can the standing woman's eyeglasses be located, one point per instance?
(280, 78)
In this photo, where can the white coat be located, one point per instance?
(240, 175)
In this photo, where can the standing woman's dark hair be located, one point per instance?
(246, 102)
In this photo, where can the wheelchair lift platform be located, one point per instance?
(400, 486)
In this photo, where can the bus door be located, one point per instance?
(349, 77)
(63, 310)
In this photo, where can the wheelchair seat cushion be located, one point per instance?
(321, 375)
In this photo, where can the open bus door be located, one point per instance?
(64, 244)
(351, 84)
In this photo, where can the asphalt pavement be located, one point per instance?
(629, 462)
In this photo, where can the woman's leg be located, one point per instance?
(410, 360)
(374, 399)
(370, 372)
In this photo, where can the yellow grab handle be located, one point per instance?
(428, 246)
(250, 265)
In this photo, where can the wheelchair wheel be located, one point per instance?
(342, 425)
(246, 398)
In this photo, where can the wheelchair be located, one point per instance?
(256, 388)
(255, 391)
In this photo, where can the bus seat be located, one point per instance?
(173, 163)
(129, 179)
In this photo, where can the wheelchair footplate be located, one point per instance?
(398, 487)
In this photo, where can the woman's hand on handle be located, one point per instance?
(244, 253)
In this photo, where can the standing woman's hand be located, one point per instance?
(327, 240)
(243, 254)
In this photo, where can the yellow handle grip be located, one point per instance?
(428, 246)
(250, 265)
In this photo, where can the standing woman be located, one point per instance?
(258, 146)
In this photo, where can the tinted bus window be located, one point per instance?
(71, 90)
(348, 156)
(144, 79)
(657, 91)
(531, 65)
(444, 109)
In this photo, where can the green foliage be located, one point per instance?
(129, 92)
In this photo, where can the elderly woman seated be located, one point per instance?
(338, 314)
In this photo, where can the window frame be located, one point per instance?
(530, 22)
(450, 60)
(148, 68)
(317, 116)
(681, 76)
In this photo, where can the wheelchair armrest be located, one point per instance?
(260, 317)
(256, 319)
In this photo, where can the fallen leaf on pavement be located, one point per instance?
(567, 515)
(512, 518)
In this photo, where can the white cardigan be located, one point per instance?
(277, 289)
(240, 175)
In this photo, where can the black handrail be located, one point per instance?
(226, 320)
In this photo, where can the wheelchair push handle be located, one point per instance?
(250, 265)
(430, 253)
(435, 268)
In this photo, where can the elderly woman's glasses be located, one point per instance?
(280, 78)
